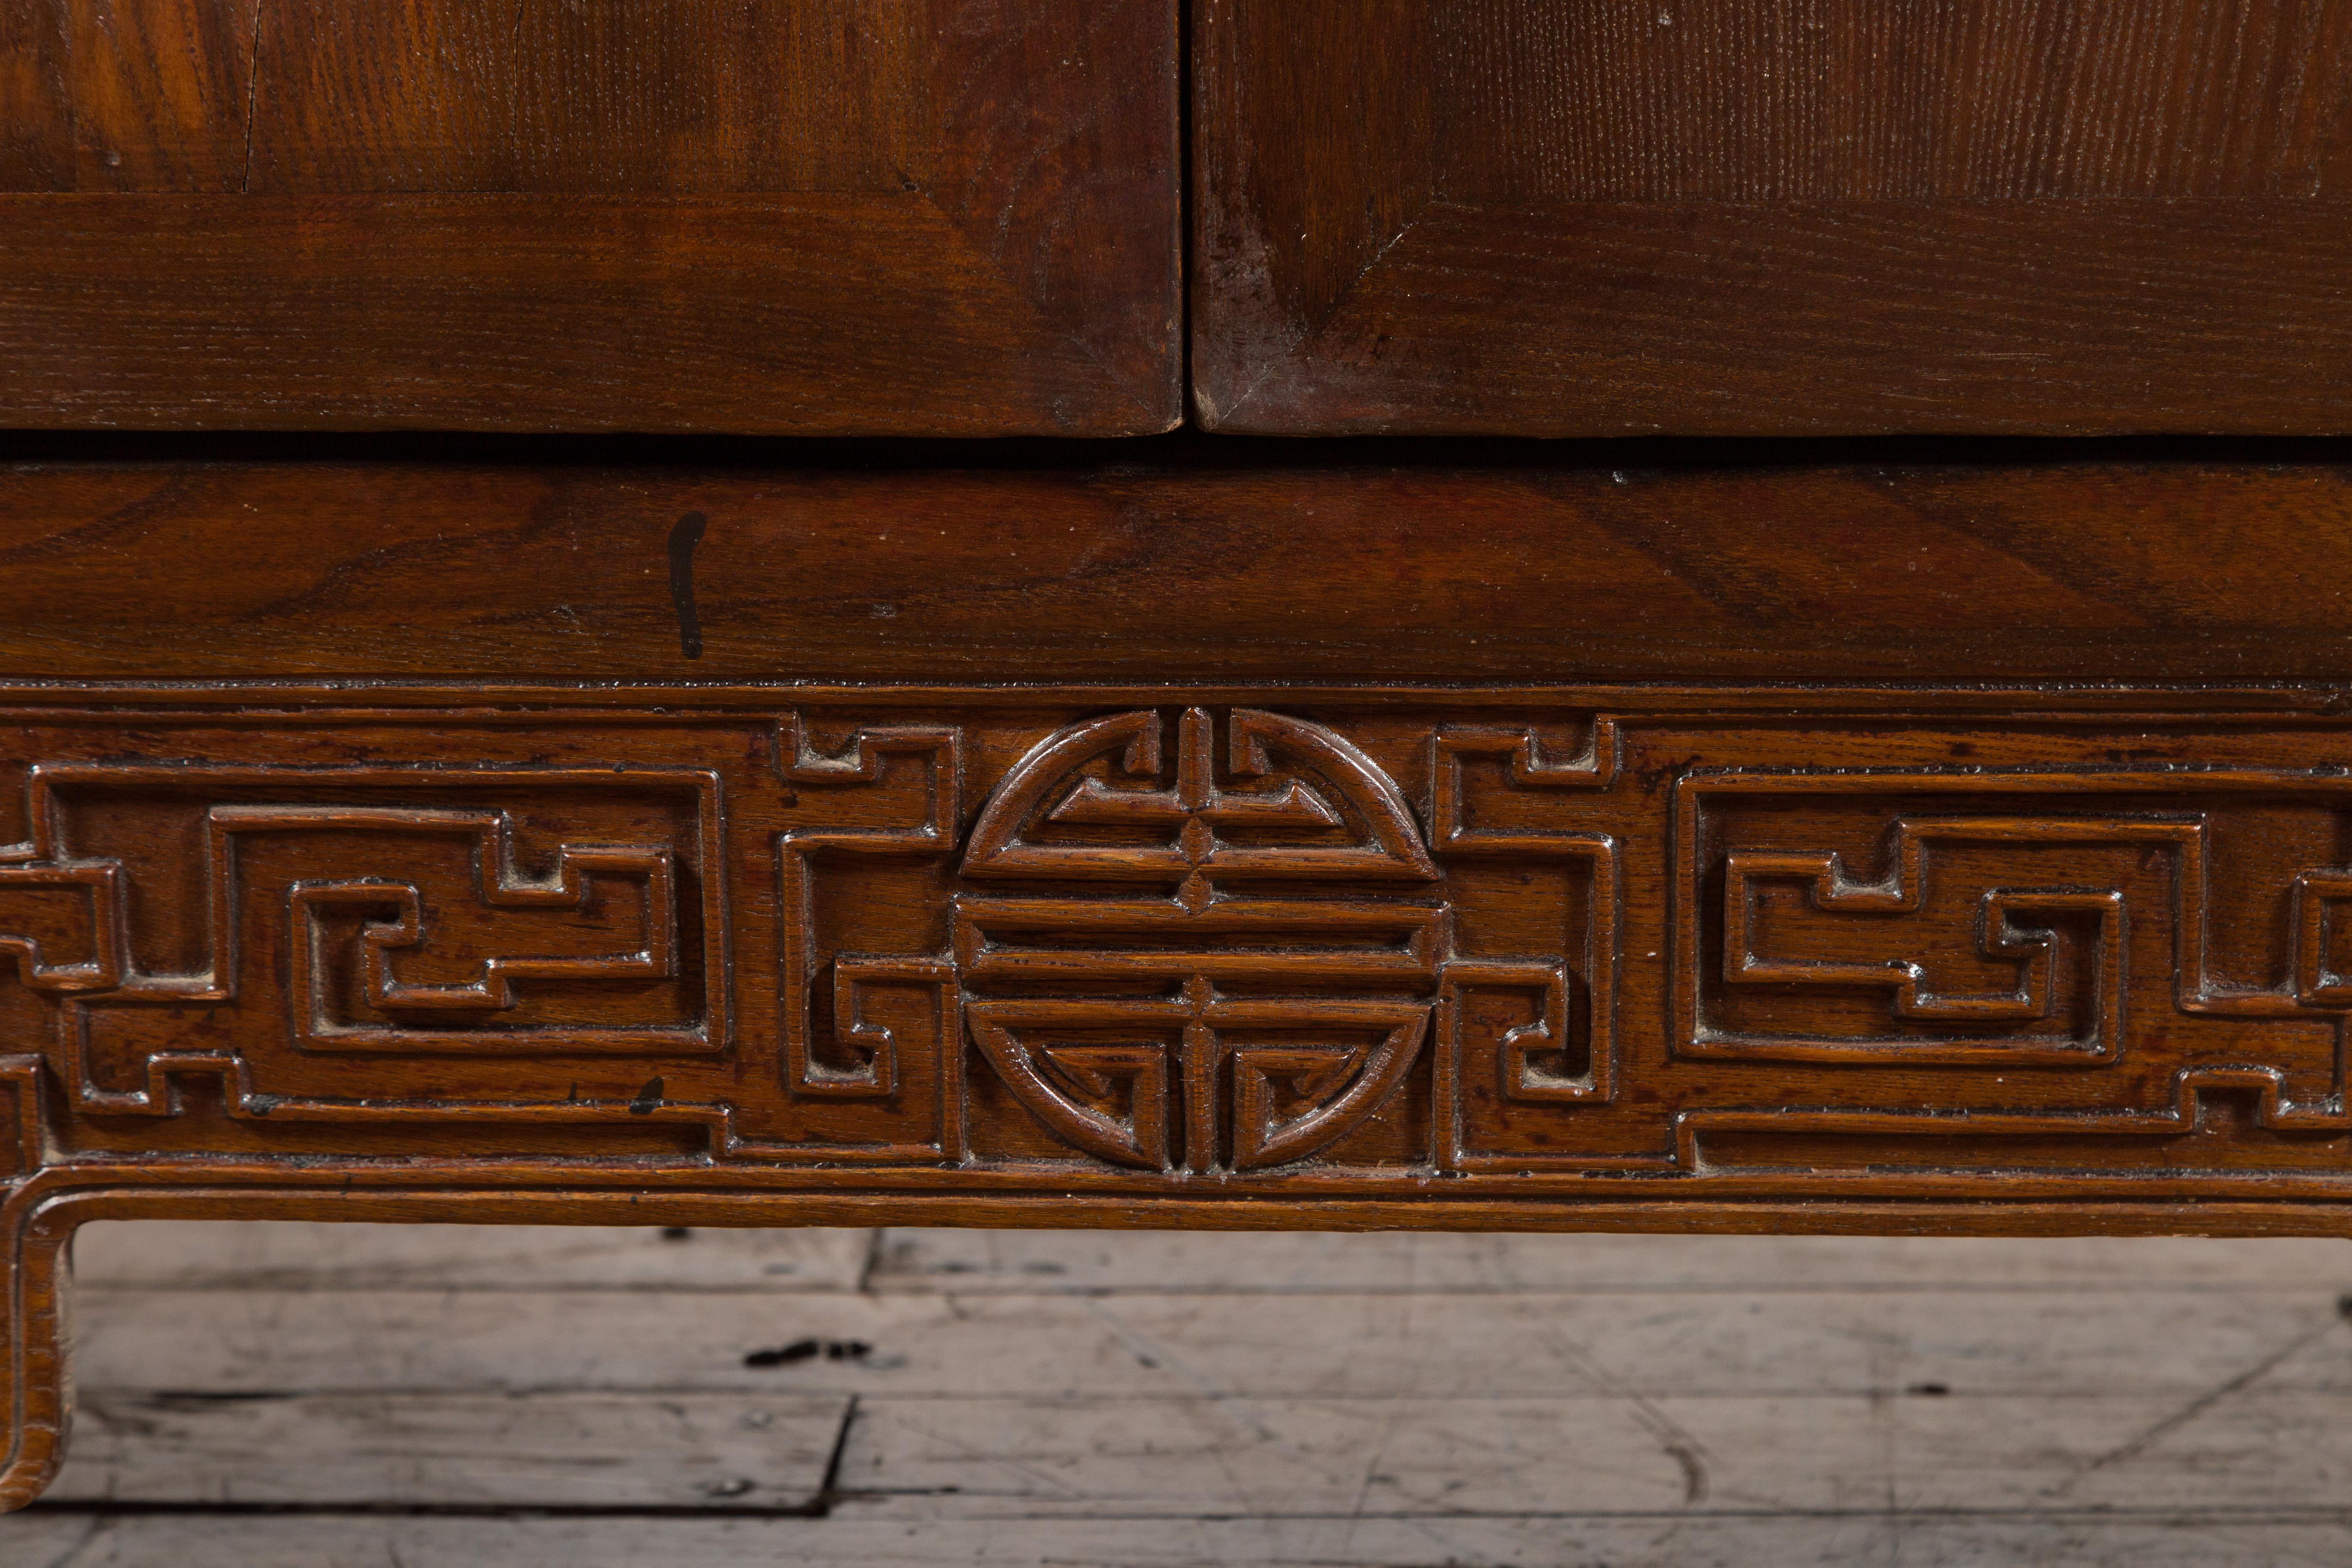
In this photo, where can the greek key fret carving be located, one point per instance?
(2076, 955)
(1530, 767)
(865, 1059)
(2006, 932)
(473, 951)
(554, 921)
(1183, 942)
(49, 910)
(1379, 956)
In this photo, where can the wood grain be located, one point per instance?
(1528, 1542)
(1096, 1264)
(1808, 217)
(161, 91)
(159, 1256)
(1295, 206)
(1330, 1395)
(36, 151)
(1916, 100)
(505, 871)
(977, 1463)
(1399, 1457)
(1825, 1345)
(167, 1256)
(1174, 563)
(677, 96)
(1955, 317)
(862, 217)
(1761, 959)
(1942, 959)
(452, 1450)
(846, 314)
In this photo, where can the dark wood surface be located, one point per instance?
(1927, 961)
(846, 217)
(1191, 558)
(1200, 833)
(1715, 217)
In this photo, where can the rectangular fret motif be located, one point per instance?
(1317, 944)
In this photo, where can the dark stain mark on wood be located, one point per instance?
(649, 1098)
(810, 1350)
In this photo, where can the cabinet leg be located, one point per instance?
(35, 1401)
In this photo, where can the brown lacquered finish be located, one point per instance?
(836, 216)
(1201, 832)
(1723, 217)
(1762, 844)
(1192, 559)
(1644, 957)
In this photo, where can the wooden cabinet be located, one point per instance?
(450, 770)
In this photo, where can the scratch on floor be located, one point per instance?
(1372, 1470)
(2201, 1403)
(956, 1445)
(1679, 1443)
(78, 1551)
(1156, 1355)
(1241, 1411)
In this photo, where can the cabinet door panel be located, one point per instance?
(1775, 216)
(790, 216)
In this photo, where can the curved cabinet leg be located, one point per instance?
(34, 1395)
(34, 1400)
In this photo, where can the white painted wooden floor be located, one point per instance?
(316, 1396)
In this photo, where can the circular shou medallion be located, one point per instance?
(1203, 968)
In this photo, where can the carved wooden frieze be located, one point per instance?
(1657, 957)
(1350, 944)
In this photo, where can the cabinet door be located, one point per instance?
(1775, 216)
(793, 217)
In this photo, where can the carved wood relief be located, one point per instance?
(1346, 943)
(2063, 966)
(1650, 957)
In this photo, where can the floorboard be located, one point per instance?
(431, 1450)
(1329, 1346)
(1984, 1540)
(255, 1396)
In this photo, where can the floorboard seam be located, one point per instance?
(2074, 1516)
